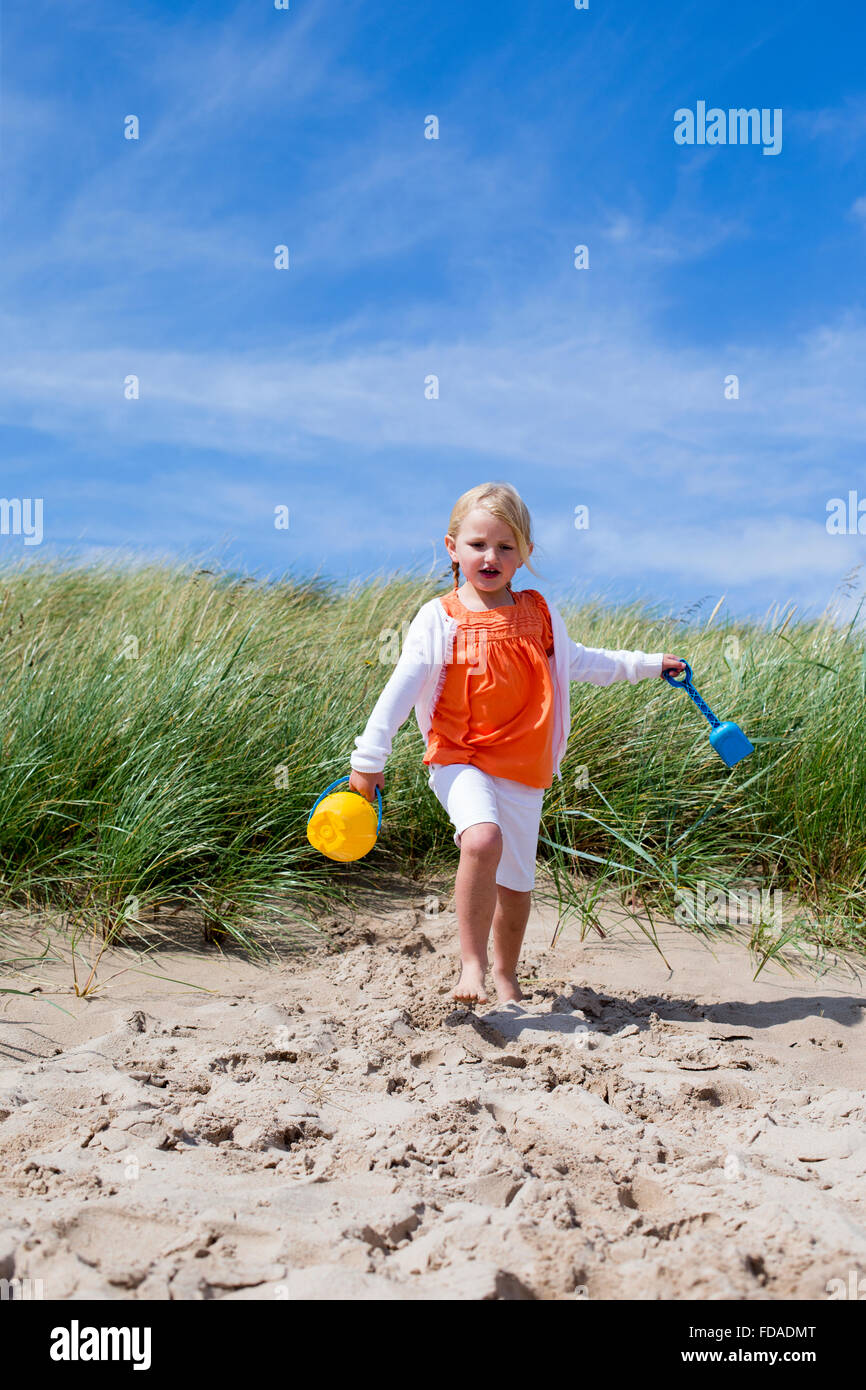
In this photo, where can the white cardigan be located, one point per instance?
(419, 676)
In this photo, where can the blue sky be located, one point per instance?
(453, 257)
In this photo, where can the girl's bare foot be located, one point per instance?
(469, 989)
(507, 988)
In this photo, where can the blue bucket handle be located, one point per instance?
(686, 685)
(336, 784)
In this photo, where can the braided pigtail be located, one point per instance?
(455, 570)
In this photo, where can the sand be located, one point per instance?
(330, 1126)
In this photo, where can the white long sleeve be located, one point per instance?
(600, 666)
(395, 703)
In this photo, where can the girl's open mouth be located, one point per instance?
(489, 573)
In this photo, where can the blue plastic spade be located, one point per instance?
(727, 738)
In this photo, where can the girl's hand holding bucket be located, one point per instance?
(366, 783)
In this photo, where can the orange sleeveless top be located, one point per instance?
(495, 708)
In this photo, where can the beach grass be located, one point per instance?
(167, 728)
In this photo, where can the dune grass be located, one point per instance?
(166, 731)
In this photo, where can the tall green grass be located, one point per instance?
(166, 731)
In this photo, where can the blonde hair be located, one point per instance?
(502, 501)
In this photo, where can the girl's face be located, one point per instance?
(486, 550)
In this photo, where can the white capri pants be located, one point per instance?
(470, 795)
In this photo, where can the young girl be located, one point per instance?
(488, 669)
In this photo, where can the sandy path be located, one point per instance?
(331, 1127)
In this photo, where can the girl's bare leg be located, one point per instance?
(509, 928)
(475, 898)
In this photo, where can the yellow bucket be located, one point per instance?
(343, 825)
